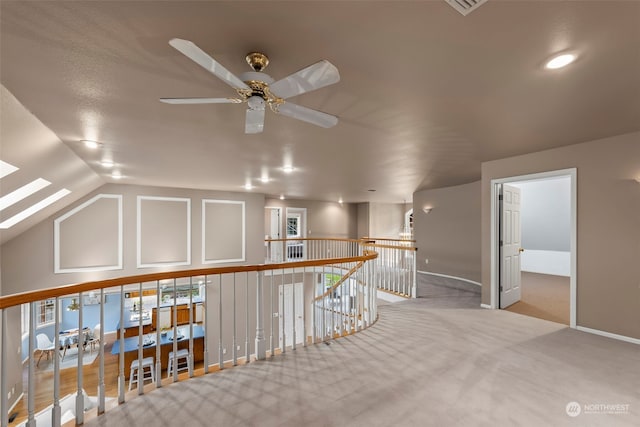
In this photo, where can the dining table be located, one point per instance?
(70, 337)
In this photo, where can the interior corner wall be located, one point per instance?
(449, 235)
(363, 220)
(546, 214)
(324, 219)
(608, 226)
(386, 220)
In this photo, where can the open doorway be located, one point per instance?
(273, 230)
(296, 232)
(533, 245)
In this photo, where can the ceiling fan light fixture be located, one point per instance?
(255, 103)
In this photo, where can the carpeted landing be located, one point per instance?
(419, 365)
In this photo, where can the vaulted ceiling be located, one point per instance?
(426, 94)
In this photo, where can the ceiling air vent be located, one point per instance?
(465, 7)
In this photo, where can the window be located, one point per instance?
(45, 314)
(293, 226)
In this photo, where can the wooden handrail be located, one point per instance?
(59, 291)
(296, 239)
(341, 281)
(377, 245)
(387, 239)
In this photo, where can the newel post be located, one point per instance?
(261, 349)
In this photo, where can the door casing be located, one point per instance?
(495, 234)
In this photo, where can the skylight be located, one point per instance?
(6, 169)
(22, 193)
(33, 209)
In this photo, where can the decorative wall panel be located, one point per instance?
(223, 231)
(164, 231)
(89, 237)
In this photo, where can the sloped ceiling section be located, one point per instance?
(38, 153)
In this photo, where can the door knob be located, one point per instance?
(520, 250)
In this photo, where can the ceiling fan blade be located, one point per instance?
(307, 115)
(313, 77)
(193, 52)
(255, 121)
(201, 100)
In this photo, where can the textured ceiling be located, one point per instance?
(425, 96)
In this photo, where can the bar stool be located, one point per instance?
(134, 375)
(181, 361)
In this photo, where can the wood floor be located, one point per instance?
(68, 381)
(544, 296)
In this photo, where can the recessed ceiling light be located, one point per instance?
(6, 169)
(248, 186)
(560, 61)
(282, 197)
(264, 179)
(22, 192)
(340, 201)
(107, 164)
(116, 175)
(287, 169)
(90, 144)
(33, 209)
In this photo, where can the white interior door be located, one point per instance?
(287, 314)
(275, 225)
(510, 246)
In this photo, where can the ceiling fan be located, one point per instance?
(258, 89)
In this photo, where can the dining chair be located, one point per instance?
(94, 338)
(45, 346)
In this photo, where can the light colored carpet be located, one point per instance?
(544, 296)
(419, 365)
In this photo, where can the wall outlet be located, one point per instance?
(224, 351)
(238, 348)
(426, 260)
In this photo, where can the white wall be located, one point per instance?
(546, 225)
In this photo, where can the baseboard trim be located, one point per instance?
(15, 403)
(462, 279)
(609, 335)
(487, 306)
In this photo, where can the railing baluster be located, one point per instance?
(271, 299)
(80, 377)
(174, 317)
(121, 378)
(260, 344)
(158, 366)
(191, 357)
(56, 412)
(101, 390)
(220, 347)
(31, 386)
(247, 357)
(304, 308)
(235, 348)
(4, 400)
(140, 371)
(282, 313)
(293, 307)
(205, 306)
